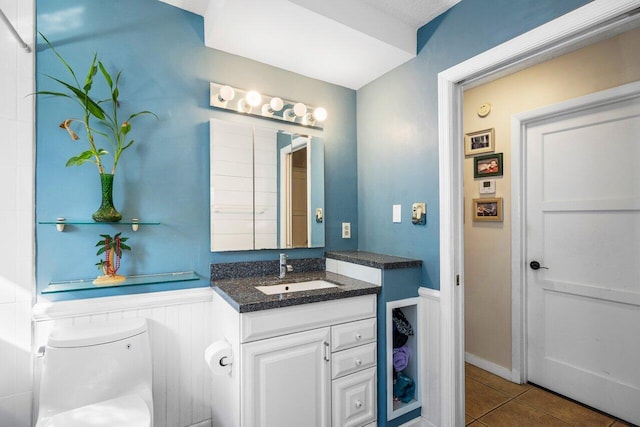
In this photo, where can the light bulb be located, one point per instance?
(243, 107)
(226, 94)
(320, 114)
(276, 103)
(253, 98)
(299, 109)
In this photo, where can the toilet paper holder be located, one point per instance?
(219, 357)
(226, 361)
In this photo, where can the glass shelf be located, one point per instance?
(60, 223)
(145, 279)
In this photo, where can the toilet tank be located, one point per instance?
(85, 364)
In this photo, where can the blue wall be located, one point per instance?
(165, 175)
(397, 117)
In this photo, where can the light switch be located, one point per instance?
(397, 213)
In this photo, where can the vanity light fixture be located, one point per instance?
(251, 102)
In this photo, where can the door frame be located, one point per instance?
(596, 20)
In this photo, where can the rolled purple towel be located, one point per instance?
(401, 357)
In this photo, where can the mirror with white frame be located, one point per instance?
(266, 188)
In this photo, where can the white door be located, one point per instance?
(286, 381)
(583, 228)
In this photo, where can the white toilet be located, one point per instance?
(97, 374)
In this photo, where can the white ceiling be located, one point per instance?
(344, 42)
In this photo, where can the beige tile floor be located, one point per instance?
(495, 402)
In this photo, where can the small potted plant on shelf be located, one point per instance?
(99, 120)
(111, 247)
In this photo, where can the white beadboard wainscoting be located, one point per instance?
(430, 349)
(180, 330)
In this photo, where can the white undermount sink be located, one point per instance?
(295, 287)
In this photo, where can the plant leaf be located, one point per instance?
(80, 159)
(59, 56)
(66, 126)
(46, 92)
(89, 103)
(141, 113)
(106, 74)
(126, 247)
(93, 69)
(100, 251)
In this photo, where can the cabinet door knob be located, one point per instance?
(358, 404)
(358, 337)
(358, 362)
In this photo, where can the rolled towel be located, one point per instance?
(401, 357)
(404, 388)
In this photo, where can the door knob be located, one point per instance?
(535, 265)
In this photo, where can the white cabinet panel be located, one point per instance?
(353, 334)
(270, 323)
(353, 360)
(354, 399)
(287, 381)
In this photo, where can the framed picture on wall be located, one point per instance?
(478, 142)
(487, 209)
(487, 165)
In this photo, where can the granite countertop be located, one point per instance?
(242, 295)
(370, 259)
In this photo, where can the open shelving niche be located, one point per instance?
(86, 284)
(409, 307)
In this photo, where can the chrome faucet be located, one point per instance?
(284, 267)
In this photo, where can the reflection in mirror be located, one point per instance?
(267, 188)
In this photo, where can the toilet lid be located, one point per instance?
(125, 411)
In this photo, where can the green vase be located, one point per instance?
(107, 212)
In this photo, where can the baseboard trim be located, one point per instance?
(498, 370)
(416, 422)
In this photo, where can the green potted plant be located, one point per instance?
(99, 121)
(111, 247)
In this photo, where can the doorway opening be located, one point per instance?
(586, 25)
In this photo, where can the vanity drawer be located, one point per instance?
(353, 360)
(353, 334)
(354, 399)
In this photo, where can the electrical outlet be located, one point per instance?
(346, 230)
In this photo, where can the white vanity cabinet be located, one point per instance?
(305, 365)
